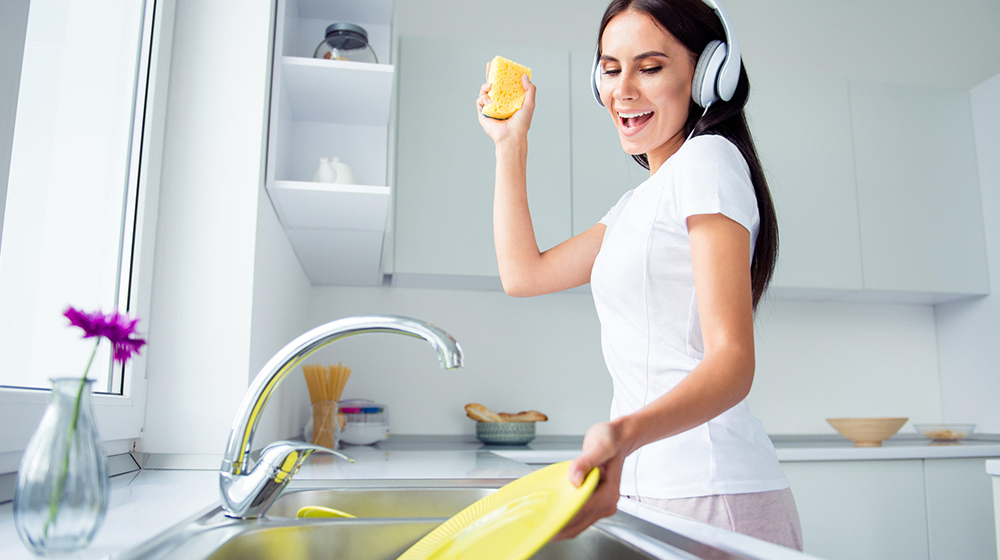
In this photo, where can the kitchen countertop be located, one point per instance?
(820, 447)
(900, 446)
(143, 504)
(147, 502)
(373, 463)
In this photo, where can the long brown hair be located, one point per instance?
(695, 24)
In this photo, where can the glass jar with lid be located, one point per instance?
(346, 41)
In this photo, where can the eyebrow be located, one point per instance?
(637, 57)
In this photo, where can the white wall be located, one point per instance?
(281, 293)
(814, 360)
(541, 353)
(220, 254)
(198, 357)
(818, 360)
(969, 331)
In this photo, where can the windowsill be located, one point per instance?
(119, 462)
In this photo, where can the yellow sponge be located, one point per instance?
(507, 93)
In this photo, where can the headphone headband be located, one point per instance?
(729, 75)
(709, 84)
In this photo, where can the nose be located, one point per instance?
(625, 87)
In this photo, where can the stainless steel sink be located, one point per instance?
(393, 517)
(386, 540)
(382, 502)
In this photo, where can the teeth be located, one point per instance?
(633, 115)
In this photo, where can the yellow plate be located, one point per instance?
(513, 522)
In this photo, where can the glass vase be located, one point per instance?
(62, 485)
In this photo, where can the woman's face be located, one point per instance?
(646, 85)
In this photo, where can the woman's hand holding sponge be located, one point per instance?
(507, 99)
(507, 91)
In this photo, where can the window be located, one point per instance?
(78, 203)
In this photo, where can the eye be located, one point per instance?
(612, 71)
(651, 70)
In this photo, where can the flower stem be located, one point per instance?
(60, 486)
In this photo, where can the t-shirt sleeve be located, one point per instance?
(713, 178)
(612, 214)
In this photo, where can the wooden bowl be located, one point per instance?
(867, 432)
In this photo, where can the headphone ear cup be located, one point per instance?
(706, 74)
(595, 78)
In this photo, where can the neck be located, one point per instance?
(660, 155)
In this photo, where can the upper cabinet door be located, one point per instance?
(602, 171)
(445, 161)
(918, 190)
(801, 126)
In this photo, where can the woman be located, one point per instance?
(677, 268)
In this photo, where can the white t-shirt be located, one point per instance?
(644, 292)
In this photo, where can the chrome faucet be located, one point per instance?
(248, 493)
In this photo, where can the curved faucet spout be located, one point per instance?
(235, 462)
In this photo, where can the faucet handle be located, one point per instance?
(249, 496)
(304, 448)
(285, 457)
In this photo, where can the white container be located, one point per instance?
(367, 422)
(344, 174)
(364, 433)
(325, 173)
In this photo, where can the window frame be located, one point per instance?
(119, 417)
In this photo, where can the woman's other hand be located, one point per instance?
(603, 447)
(516, 127)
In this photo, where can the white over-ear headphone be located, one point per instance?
(715, 75)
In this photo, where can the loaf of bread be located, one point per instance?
(507, 93)
(524, 416)
(480, 413)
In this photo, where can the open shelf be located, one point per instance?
(325, 108)
(331, 206)
(338, 91)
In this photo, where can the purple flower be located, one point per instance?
(119, 330)
(116, 327)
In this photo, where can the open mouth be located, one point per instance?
(631, 121)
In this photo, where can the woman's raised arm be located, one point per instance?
(524, 270)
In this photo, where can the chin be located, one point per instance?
(632, 150)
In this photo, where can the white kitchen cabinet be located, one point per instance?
(801, 126)
(602, 171)
(324, 108)
(993, 469)
(808, 160)
(875, 185)
(445, 161)
(918, 191)
(937, 509)
(959, 509)
(859, 510)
